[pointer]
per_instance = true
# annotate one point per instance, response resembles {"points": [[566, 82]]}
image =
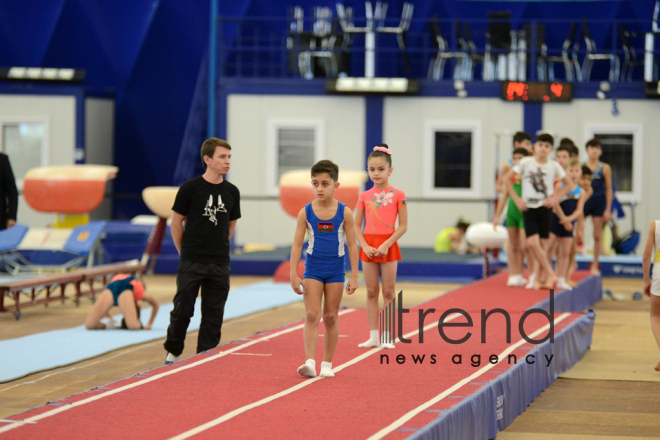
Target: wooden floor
{"points": [[612, 393]]}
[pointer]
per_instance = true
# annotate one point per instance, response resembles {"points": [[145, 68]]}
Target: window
{"points": [[295, 150], [452, 160], [622, 150], [618, 152], [25, 144], [293, 145]]}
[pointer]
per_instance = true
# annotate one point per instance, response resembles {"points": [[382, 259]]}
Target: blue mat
{"points": [[45, 351], [620, 266], [495, 405]]}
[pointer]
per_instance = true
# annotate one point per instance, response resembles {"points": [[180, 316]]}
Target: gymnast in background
{"points": [[452, 239], [123, 291]]}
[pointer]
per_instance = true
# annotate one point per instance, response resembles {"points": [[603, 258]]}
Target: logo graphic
{"points": [[383, 198], [388, 322], [211, 212], [326, 226], [392, 323], [627, 269], [83, 236], [536, 179]]}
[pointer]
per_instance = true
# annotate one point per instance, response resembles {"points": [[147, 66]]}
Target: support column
{"points": [[373, 127]]}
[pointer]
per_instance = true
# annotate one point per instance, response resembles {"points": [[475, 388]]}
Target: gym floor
{"points": [[611, 392]]}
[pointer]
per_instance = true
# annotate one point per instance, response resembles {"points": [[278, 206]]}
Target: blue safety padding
{"points": [[124, 241], [497, 403], [48, 258], [472, 269], [123, 231], [588, 292], [82, 238], [12, 237], [622, 266], [468, 271], [264, 267]]}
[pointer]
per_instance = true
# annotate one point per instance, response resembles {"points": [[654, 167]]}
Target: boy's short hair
{"points": [[545, 137], [209, 146], [595, 143], [566, 141], [520, 150], [575, 151], [565, 148], [575, 163], [521, 136], [326, 166], [586, 171]]}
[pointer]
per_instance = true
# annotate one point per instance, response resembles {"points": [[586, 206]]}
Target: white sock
{"points": [[530, 283], [516, 281], [326, 370], [386, 341], [171, 358], [561, 284], [373, 340], [308, 369]]}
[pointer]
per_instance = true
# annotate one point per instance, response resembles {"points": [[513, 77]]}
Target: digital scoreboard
{"points": [[528, 91]]}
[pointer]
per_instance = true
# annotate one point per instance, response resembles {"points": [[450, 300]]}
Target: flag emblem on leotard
{"points": [[404, 203], [326, 226]]}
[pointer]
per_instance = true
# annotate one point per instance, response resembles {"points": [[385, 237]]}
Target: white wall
{"points": [[404, 131], [99, 143], [570, 120], [59, 114], [247, 132], [405, 119], [344, 120]]}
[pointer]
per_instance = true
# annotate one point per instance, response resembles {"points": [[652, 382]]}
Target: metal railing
{"points": [[272, 47]]}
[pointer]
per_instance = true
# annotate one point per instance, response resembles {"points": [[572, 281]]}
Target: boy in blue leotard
{"points": [[329, 225]]}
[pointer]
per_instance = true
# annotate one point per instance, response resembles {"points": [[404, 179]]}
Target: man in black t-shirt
{"points": [[209, 206]]}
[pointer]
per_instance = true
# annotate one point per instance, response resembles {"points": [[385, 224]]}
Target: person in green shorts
{"points": [[514, 225]]}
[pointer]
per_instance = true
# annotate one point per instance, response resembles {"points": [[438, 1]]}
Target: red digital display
{"points": [[536, 91]]}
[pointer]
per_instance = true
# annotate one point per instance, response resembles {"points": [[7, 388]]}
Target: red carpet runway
{"points": [[250, 388]]}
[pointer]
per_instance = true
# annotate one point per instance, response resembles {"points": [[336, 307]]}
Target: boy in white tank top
{"points": [[652, 284]]}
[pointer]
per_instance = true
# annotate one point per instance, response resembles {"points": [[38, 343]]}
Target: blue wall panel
{"points": [[148, 51]]}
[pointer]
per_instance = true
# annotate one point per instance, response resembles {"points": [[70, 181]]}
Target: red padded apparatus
{"points": [[296, 190], [74, 189]]}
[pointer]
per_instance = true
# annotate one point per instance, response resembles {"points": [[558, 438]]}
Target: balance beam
{"points": [[14, 288]]}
